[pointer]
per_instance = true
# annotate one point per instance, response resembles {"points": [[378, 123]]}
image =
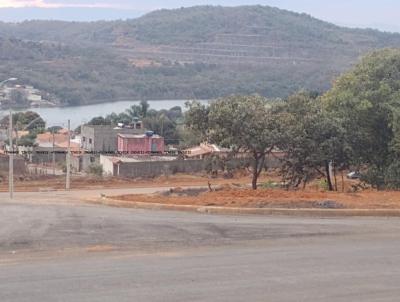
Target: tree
{"points": [[28, 120], [99, 120], [135, 111], [161, 124], [144, 107], [311, 139], [196, 119], [367, 101], [242, 123], [55, 129]]}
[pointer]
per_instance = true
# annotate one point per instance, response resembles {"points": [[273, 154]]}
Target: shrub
{"points": [[95, 169], [392, 176]]}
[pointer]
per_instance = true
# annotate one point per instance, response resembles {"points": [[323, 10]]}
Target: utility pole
{"points": [[68, 180], [11, 155], [54, 157], [11, 160]]}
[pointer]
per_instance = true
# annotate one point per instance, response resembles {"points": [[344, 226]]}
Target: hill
{"points": [[198, 52]]}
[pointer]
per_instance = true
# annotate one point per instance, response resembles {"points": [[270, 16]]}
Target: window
{"points": [[90, 140], [83, 139]]}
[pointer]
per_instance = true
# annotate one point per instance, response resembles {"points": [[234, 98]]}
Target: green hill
{"points": [[198, 52]]}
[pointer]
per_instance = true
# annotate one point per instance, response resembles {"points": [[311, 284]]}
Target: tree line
{"points": [[355, 125]]}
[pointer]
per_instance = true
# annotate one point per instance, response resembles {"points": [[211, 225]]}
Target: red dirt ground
{"points": [[233, 193], [277, 198]]}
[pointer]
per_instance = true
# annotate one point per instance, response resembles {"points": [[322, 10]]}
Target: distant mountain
{"points": [[66, 14], [198, 52]]}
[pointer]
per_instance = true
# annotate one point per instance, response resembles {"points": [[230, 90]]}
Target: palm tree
{"points": [[144, 108]]}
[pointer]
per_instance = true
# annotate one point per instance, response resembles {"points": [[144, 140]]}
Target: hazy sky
{"points": [[383, 14]]}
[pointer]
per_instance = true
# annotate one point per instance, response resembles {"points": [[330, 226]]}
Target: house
{"points": [[204, 150], [148, 143], [50, 146], [104, 138], [46, 139]]}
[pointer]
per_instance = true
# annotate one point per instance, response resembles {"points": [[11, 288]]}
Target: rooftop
{"points": [[138, 135]]}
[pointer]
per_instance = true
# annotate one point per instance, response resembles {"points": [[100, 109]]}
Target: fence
{"points": [[19, 165], [156, 168]]}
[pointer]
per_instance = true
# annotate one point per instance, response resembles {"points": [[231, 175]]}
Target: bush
{"points": [[95, 169], [323, 185], [392, 176], [270, 185], [375, 177]]}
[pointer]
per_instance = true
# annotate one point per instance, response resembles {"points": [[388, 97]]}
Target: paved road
{"points": [[73, 252]]}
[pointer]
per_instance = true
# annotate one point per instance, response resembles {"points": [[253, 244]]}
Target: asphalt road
{"points": [[74, 252]]}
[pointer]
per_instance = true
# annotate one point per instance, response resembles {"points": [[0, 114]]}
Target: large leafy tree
{"points": [[196, 120], [367, 101], [242, 123], [28, 120], [312, 140]]}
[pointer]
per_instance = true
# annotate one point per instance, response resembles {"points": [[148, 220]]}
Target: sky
{"points": [[383, 14]]}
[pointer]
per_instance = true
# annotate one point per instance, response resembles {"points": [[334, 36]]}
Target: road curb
{"points": [[249, 211]]}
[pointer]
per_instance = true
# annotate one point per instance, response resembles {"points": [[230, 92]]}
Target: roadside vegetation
{"points": [[355, 125]]}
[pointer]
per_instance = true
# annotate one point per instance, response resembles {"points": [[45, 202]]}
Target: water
{"points": [[82, 114]]}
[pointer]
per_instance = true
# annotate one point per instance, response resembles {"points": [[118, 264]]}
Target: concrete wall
{"points": [[108, 166], [41, 155], [19, 165], [157, 168], [80, 163], [147, 169], [141, 145], [87, 137]]}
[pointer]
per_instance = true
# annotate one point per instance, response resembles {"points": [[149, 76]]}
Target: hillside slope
{"points": [[198, 52]]}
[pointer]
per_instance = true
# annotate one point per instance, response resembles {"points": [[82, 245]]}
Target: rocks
{"points": [[328, 204]]}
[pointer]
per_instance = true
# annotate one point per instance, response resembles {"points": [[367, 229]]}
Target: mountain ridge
{"points": [[197, 52]]}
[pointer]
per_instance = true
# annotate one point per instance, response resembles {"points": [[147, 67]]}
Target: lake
{"points": [[81, 114]]}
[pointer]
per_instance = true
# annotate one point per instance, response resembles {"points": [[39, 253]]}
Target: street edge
{"points": [[248, 211]]}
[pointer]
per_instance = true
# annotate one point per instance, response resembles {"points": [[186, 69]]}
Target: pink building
{"points": [[140, 144]]}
